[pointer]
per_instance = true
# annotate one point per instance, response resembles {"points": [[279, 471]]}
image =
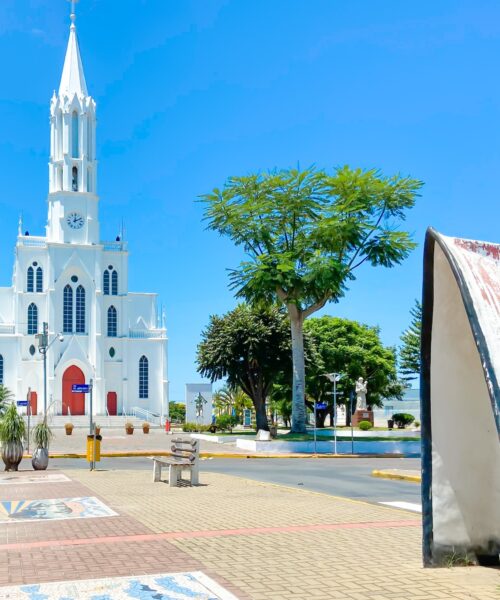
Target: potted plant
{"points": [[41, 436], [145, 427], [12, 435], [129, 428], [69, 428]]}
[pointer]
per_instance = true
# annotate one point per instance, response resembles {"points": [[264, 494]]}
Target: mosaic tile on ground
{"points": [[53, 509], [165, 586], [23, 479]]}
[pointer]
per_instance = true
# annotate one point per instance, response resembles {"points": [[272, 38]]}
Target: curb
{"points": [[397, 475], [145, 454]]}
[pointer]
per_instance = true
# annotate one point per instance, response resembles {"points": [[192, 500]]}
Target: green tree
{"points": [[177, 412], [354, 350], [305, 234], [250, 347], [409, 352]]}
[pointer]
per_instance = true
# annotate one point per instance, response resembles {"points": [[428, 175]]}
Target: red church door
{"points": [[33, 400], [112, 403], [75, 402]]}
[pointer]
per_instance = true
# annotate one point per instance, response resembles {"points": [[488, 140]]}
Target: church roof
{"points": [[73, 78]]}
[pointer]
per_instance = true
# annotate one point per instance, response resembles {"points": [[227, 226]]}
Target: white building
{"points": [[78, 284]]}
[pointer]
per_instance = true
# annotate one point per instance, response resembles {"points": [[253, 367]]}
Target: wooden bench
{"points": [[185, 456]]}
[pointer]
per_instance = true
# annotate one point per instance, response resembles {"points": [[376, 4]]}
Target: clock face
{"points": [[74, 220]]}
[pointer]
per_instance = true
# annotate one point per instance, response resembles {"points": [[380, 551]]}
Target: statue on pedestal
{"points": [[361, 389]]}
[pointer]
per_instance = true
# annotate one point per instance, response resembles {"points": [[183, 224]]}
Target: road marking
{"points": [[404, 505]]}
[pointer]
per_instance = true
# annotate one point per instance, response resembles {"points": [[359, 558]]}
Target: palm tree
{"points": [[5, 398], [227, 399]]}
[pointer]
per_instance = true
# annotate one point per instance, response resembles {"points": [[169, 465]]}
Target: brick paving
{"points": [[260, 541]]}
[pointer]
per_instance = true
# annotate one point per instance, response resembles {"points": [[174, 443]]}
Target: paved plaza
{"points": [[244, 538]]}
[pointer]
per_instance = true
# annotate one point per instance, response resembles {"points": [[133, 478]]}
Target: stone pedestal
{"points": [[362, 415]]}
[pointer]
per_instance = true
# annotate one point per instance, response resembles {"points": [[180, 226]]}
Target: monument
{"points": [[362, 412], [460, 401]]}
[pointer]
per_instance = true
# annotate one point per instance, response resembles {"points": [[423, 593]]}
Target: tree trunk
{"points": [[260, 413], [298, 379], [321, 418]]}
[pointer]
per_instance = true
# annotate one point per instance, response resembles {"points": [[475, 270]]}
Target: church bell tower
{"points": [[73, 200]]}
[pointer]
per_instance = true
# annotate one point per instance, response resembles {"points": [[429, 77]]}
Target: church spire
{"points": [[73, 78], [73, 163]]}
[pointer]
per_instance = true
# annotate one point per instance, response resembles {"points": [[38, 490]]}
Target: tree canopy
{"points": [[305, 234], [249, 347], [409, 352], [354, 350]]}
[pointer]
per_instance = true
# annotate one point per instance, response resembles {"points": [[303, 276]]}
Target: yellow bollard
{"points": [[91, 457]]}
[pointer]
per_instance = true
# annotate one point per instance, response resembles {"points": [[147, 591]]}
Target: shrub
{"points": [[195, 428], [365, 425], [417, 424], [12, 426], [403, 419], [42, 435], [226, 422]]}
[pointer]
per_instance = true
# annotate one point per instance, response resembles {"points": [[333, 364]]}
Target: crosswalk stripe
{"points": [[404, 505]]}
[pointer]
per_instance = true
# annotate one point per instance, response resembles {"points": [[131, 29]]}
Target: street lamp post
{"points": [[43, 347], [334, 378]]}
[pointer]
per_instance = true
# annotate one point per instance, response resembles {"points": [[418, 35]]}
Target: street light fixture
{"points": [[334, 378], [43, 347]]}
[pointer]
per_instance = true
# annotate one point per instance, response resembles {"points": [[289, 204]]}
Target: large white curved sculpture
{"points": [[460, 400]]}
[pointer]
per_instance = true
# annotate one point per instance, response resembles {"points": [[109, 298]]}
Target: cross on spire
{"points": [[72, 16]]}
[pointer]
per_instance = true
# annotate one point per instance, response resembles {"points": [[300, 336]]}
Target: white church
{"points": [[78, 284]]}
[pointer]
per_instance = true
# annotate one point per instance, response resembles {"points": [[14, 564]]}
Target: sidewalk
{"points": [[258, 541]]}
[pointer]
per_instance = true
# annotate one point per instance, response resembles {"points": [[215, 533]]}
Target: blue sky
{"points": [[192, 91]]}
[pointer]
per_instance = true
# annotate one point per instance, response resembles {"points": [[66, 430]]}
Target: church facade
{"points": [[77, 285]]}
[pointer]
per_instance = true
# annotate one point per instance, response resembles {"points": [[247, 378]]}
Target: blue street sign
{"points": [[22, 403], [321, 405], [80, 388]]}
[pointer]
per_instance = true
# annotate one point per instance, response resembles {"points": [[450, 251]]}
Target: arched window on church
{"points": [[30, 280], [114, 283], [89, 179], [74, 179], [60, 178], [112, 322], [68, 309], [74, 135], [39, 279], [1, 369], [32, 319], [80, 309], [105, 283], [143, 377]]}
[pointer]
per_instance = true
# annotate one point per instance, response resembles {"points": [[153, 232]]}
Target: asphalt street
{"points": [[349, 477]]}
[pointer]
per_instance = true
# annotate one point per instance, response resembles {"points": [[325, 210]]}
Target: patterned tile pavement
{"points": [[258, 541]]}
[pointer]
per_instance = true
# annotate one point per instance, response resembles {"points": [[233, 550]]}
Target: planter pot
{"points": [[145, 429], [98, 431], [129, 430], [69, 431], [12, 454], [40, 459]]}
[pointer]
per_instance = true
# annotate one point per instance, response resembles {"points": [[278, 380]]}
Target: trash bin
{"points": [[91, 457]]}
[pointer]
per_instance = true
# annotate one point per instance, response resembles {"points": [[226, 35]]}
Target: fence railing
{"points": [[145, 415], [146, 333]]}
